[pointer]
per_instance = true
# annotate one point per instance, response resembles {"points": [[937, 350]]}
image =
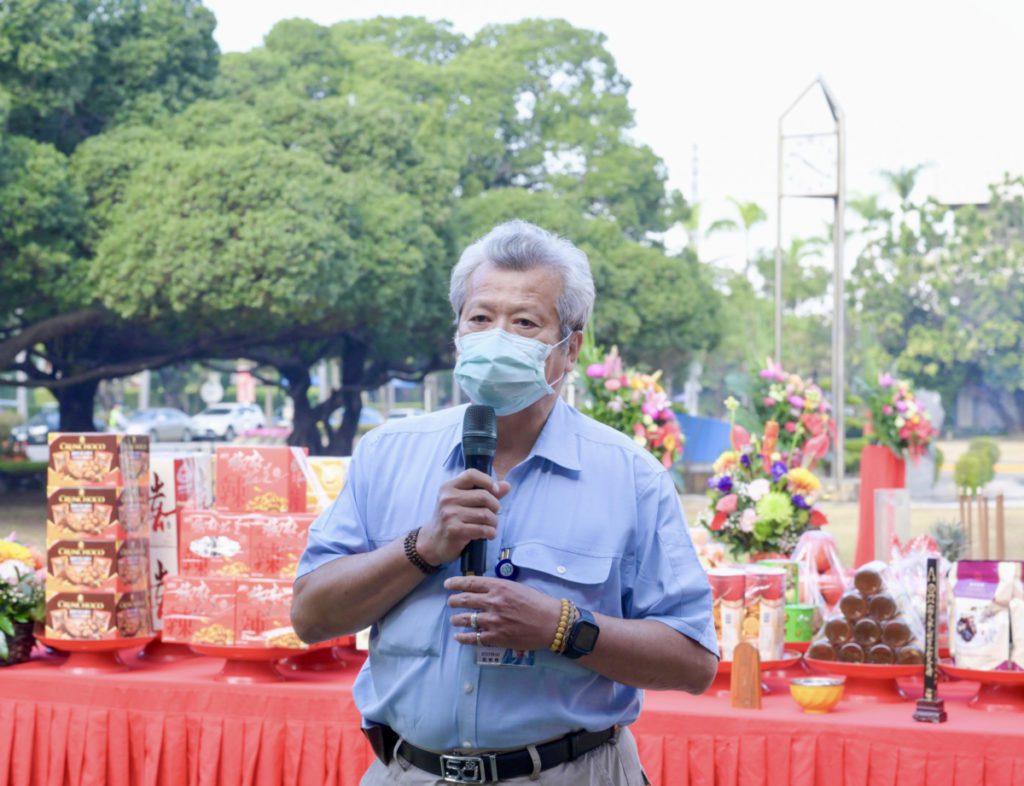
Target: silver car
{"points": [[161, 424], [228, 420]]}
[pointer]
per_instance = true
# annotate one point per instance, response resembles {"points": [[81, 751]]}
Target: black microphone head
{"points": [[479, 431]]}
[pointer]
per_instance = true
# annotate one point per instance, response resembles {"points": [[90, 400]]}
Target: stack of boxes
{"points": [[97, 537], [237, 561]]}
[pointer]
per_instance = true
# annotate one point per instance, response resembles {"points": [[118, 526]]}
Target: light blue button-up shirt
{"points": [[591, 517]]}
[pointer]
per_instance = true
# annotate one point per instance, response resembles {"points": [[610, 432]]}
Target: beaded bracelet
{"points": [[559, 642], [414, 556]]}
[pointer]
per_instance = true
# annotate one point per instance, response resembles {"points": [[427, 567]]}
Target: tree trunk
{"points": [[76, 406], [305, 433], [353, 366]]}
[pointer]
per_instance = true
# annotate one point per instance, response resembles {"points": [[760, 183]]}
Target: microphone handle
{"points": [[474, 554]]}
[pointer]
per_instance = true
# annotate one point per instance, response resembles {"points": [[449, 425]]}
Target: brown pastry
{"points": [[867, 632], [853, 606], [910, 655], [882, 606], [896, 633], [851, 652], [838, 630], [880, 653], [868, 581], [821, 650]]}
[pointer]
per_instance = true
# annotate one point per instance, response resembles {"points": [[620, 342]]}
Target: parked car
{"points": [[161, 424], [405, 412], [226, 421], [34, 430]]}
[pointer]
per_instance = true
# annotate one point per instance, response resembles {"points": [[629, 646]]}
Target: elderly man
{"points": [[593, 593]]}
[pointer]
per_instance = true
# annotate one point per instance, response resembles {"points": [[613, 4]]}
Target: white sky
{"points": [[921, 81]]}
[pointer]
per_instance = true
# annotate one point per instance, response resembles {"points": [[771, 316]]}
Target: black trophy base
{"points": [[930, 711]]}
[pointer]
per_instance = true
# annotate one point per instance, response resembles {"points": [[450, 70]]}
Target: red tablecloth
{"points": [[175, 725]]}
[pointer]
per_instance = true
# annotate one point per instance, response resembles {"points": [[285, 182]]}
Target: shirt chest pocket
{"points": [[415, 625], [588, 580]]}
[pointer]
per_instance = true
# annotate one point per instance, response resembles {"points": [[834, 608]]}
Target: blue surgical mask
{"points": [[502, 370]]}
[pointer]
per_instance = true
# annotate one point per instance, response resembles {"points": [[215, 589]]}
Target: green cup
{"points": [[800, 621]]}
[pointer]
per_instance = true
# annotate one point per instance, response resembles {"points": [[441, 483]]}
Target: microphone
{"points": [[479, 443]]}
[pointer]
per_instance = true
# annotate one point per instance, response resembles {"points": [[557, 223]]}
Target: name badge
{"points": [[504, 656]]}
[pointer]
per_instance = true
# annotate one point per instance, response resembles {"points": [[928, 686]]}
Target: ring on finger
{"points": [[478, 642], [473, 620]]}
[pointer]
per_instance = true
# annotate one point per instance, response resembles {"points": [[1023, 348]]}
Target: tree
{"points": [[750, 214]]}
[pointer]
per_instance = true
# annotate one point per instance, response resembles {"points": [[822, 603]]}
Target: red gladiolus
{"points": [[718, 521], [818, 519]]}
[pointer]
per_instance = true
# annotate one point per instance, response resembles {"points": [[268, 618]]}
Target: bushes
{"points": [[975, 468]]}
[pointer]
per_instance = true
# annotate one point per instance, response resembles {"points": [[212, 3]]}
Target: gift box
{"points": [[97, 566], [176, 483], [328, 474], [260, 478], [199, 610], [112, 513], [98, 615], [214, 543], [263, 614], [277, 540], [97, 460], [163, 564]]}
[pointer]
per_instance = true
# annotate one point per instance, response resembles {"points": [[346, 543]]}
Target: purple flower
{"points": [[745, 460], [885, 380], [712, 483], [725, 484], [901, 406], [797, 402], [596, 370], [800, 502], [779, 470]]}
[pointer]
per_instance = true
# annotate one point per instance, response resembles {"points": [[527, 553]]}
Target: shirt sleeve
{"points": [[341, 529], [670, 584]]}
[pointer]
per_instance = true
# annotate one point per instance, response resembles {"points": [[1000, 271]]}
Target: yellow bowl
{"points": [[817, 695]]}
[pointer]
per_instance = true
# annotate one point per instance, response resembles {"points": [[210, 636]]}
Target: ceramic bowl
{"points": [[817, 695]]}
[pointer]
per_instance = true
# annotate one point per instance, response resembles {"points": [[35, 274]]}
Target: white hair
{"points": [[519, 245]]}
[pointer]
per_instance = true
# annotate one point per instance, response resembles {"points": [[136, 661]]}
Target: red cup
{"points": [[765, 582]]}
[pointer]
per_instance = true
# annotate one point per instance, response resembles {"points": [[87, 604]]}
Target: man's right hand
{"points": [[467, 509]]}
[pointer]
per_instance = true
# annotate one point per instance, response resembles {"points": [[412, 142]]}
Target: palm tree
{"points": [[750, 214], [903, 181]]}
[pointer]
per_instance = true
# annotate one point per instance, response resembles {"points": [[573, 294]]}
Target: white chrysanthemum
{"points": [[758, 488]]}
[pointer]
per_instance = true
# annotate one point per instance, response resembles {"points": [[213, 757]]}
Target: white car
{"points": [[226, 421]]}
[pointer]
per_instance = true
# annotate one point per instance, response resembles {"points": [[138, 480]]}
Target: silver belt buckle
{"points": [[467, 769]]}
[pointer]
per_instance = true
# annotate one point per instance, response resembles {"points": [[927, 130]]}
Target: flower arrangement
{"points": [[762, 501], [22, 590], [897, 419], [796, 404], [635, 404]]}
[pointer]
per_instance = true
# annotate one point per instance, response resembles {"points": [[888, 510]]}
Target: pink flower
{"points": [[769, 402], [612, 385], [747, 519], [887, 409], [885, 380], [796, 401], [596, 370], [790, 427], [727, 504], [616, 404]]}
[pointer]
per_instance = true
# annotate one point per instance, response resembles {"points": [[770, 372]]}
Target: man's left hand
{"points": [[509, 614]]}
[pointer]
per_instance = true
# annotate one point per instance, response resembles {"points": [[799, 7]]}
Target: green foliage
{"points": [[939, 458], [987, 446], [951, 539], [971, 472]]}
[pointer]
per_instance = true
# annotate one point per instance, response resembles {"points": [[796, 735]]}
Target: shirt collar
{"points": [[557, 441]]}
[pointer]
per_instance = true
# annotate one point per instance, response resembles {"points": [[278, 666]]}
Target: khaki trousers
{"points": [[616, 763]]}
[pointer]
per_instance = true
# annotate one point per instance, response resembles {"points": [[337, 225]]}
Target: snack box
{"points": [[327, 481], [277, 540], [260, 478], [98, 615], [111, 513], [177, 482], [163, 564], [97, 566], [98, 460], [214, 543], [199, 610], [263, 614]]}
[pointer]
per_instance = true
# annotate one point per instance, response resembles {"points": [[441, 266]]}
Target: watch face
{"points": [[586, 637]]}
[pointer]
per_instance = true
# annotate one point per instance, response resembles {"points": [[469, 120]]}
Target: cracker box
{"points": [[98, 460], [328, 474], [97, 566], [97, 615], [111, 513], [176, 483], [214, 543], [163, 564], [764, 614], [199, 610], [277, 541], [260, 478], [263, 614]]}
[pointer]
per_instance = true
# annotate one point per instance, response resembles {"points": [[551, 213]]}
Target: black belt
{"points": [[491, 767]]}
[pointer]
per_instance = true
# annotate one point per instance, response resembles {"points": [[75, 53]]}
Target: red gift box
{"points": [[277, 541], [199, 610], [259, 478], [213, 543]]}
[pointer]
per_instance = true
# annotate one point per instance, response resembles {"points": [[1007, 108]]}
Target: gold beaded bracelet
{"points": [[559, 642]]}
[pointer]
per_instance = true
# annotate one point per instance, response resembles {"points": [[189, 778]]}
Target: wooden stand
{"points": [[745, 687]]}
